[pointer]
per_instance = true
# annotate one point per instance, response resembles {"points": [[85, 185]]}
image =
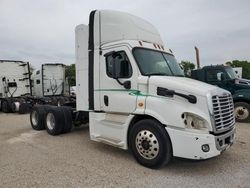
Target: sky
{"points": [[43, 31]]}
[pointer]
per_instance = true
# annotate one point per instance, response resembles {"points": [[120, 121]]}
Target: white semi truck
{"points": [[132, 92]]}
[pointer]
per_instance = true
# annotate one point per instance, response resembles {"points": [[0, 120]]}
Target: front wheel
{"points": [[242, 111], [150, 143]]}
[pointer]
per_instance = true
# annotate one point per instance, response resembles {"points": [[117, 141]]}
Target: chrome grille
{"points": [[223, 108]]}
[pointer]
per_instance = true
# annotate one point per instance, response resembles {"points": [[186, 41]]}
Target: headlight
{"points": [[195, 122]]}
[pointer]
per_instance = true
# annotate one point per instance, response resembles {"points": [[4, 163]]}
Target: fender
{"points": [[242, 95]]}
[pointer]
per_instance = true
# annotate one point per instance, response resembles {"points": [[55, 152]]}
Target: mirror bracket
{"points": [[126, 84]]}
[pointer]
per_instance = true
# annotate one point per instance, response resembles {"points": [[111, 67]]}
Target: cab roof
{"points": [[111, 26]]}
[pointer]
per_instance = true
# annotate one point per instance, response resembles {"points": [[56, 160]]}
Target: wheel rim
{"points": [[50, 121], [34, 118], [17, 105], [241, 112], [147, 144]]}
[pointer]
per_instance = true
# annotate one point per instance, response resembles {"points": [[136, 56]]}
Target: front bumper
{"points": [[189, 145]]}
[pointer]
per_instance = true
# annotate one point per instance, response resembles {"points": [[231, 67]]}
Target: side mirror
{"points": [[221, 76], [120, 69], [115, 68]]}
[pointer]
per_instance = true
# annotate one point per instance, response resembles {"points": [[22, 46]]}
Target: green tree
{"points": [[245, 67], [187, 67], [70, 74]]}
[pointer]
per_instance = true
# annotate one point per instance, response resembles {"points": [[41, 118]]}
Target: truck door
{"points": [[114, 97]]}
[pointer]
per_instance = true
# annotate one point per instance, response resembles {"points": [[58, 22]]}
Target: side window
{"points": [[126, 69], [214, 75], [37, 81]]}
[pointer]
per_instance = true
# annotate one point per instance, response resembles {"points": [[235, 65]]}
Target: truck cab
{"points": [[136, 97], [225, 77], [49, 80]]}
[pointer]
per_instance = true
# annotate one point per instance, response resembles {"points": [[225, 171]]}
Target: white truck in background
{"points": [[19, 90], [15, 83], [50, 81], [132, 92]]}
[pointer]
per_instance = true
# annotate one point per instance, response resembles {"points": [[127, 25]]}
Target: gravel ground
{"points": [[31, 158]]}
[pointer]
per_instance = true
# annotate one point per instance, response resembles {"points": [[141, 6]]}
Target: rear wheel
{"points": [[37, 117], [150, 143], [54, 122], [15, 106], [24, 108], [6, 106], [242, 111]]}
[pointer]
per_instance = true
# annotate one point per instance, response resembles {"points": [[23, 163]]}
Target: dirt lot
{"points": [[30, 158]]}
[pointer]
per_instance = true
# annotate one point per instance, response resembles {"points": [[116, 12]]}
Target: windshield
{"points": [[153, 62], [230, 73]]}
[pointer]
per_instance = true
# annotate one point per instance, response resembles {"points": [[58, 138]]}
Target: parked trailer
{"points": [[132, 91]]}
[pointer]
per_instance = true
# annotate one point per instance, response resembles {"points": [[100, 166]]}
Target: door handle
{"points": [[106, 100]]}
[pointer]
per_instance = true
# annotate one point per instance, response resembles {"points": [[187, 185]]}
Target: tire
{"points": [[6, 106], [54, 122], [25, 108], [67, 119], [15, 106], [37, 117], [1, 105], [150, 144], [242, 112]]}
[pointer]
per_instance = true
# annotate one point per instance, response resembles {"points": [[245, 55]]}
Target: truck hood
{"points": [[182, 84], [242, 81]]}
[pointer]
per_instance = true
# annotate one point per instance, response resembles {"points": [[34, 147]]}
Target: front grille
{"points": [[223, 108]]}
